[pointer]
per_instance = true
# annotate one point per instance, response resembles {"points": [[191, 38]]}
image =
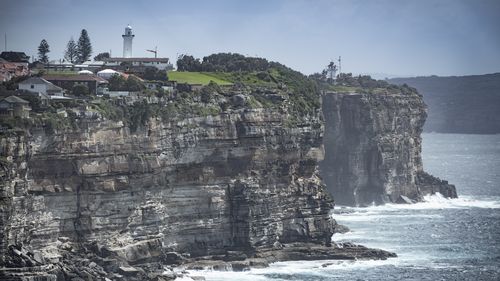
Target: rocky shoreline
{"points": [[231, 191], [94, 262]]}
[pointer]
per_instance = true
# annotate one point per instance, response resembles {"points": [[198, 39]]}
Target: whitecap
{"points": [[435, 201]]}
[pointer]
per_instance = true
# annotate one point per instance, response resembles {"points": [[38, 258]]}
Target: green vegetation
{"points": [[195, 78], [43, 50], [84, 47], [346, 82], [71, 53], [80, 90], [119, 83], [229, 82], [154, 74], [101, 56], [254, 74]]}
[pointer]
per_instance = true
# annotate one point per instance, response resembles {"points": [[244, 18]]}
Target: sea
{"points": [[438, 239]]}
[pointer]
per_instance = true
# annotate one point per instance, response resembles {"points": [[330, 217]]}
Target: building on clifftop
{"points": [[40, 85], [13, 106], [131, 64]]}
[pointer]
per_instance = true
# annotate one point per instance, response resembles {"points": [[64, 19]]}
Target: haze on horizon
{"points": [[383, 37]]}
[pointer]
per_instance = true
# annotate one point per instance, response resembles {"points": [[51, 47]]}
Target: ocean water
{"points": [[438, 239]]}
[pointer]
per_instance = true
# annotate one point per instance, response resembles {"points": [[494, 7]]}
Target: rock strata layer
{"points": [[373, 149], [105, 202]]}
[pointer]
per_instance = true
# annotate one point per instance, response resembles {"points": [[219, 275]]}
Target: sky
{"points": [[379, 37]]}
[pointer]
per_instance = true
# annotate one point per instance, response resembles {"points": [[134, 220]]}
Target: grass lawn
{"points": [[195, 78]]}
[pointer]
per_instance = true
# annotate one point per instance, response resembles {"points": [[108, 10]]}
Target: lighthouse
{"points": [[127, 42]]}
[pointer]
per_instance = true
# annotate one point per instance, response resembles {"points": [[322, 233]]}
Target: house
{"points": [[20, 57], [13, 106], [137, 64], [40, 85], [42, 99], [93, 66], [9, 70], [62, 65], [93, 82]]}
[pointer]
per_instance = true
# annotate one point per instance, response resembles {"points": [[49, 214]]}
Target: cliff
{"points": [[373, 148], [460, 104], [103, 201]]}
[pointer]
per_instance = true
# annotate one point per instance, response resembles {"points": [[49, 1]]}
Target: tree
{"points": [[43, 49], [102, 56], [153, 74], [134, 85], [188, 63], [84, 47], [71, 53], [80, 90], [209, 91], [117, 83]]}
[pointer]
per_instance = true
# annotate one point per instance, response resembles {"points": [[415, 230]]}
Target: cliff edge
{"points": [[373, 147], [224, 179]]}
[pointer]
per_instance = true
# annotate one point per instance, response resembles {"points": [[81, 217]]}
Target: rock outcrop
{"points": [[105, 202], [373, 149]]}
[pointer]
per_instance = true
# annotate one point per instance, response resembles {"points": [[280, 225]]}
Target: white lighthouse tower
{"points": [[127, 42]]}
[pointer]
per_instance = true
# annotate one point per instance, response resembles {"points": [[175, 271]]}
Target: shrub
{"points": [[80, 90]]}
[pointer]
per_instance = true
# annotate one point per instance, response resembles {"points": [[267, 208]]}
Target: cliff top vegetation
{"points": [[256, 73], [229, 82], [346, 82]]}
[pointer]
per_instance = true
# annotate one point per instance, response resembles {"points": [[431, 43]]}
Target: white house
{"points": [[40, 85]]}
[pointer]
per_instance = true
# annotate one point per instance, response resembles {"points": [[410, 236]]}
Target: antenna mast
{"points": [[340, 64]]}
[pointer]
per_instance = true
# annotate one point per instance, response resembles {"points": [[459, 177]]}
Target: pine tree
{"points": [[43, 49], [84, 47], [71, 53]]}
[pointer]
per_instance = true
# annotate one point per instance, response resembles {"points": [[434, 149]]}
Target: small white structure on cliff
{"points": [[127, 42]]}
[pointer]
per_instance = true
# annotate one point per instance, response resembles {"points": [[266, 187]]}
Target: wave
{"points": [[322, 268], [435, 201]]}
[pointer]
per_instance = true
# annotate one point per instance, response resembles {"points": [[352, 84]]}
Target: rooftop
{"points": [[79, 77], [35, 80], [38, 80], [163, 60], [14, 99], [15, 56]]}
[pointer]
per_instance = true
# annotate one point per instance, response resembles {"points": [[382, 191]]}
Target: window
{"points": [[32, 86]]}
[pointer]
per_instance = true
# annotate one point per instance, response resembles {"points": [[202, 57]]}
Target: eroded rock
{"points": [[373, 149]]}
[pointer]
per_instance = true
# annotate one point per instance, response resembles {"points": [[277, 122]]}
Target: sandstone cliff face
{"points": [[239, 181], [372, 149]]}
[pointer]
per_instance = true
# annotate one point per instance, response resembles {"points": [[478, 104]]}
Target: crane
{"points": [[154, 51]]}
